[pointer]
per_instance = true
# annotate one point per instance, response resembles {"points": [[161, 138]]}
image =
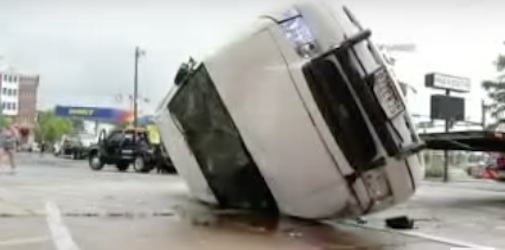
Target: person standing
{"points": [[8, 139], [43, 146]]}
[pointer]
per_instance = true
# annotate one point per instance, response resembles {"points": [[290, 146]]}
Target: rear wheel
{"points": [[122, 166], [95, 161], [140, 165]]}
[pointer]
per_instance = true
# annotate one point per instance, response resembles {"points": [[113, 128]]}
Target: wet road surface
{"points": [[61, 204]]}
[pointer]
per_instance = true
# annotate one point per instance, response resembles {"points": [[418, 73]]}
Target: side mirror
{"points": [[182, 74]]}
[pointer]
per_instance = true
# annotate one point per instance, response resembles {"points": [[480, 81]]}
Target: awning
{"points": [[486, 141]]}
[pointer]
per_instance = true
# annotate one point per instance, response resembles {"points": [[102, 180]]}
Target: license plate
{"points": [[387, 94]]}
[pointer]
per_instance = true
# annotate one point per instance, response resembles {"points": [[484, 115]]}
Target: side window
{"points": [[115, 137], [143, 138], [128, 139]]}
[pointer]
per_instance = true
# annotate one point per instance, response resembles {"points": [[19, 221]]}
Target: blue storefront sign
{"points": [[92, 113]]}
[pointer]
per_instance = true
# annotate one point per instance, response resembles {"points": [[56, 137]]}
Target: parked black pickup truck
{"points": [[121, 149]]}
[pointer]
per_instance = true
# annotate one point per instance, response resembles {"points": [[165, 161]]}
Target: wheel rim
{"points": [[139, 163], [95, 161]]}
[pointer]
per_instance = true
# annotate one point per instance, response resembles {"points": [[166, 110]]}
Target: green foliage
{"points": [[50, 128], [496, 89]]}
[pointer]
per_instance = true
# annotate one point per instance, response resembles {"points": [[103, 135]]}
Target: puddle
{"points": [[310, 234]]}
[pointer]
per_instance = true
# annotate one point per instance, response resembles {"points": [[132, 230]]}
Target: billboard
{"points": [[93, 113], [447, 107], [443, 81]]}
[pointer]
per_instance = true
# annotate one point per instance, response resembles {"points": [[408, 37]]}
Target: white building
{"points": [[9, 92]]}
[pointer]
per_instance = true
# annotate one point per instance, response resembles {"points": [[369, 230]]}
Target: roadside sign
{"points": [[447, 82], [93, 113]]}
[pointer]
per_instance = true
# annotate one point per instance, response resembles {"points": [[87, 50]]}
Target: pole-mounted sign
{"points": [[447, 82], [447, 107]]}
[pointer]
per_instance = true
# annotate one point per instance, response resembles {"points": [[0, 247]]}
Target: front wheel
{"points": [[95, 161], [122, 166]]}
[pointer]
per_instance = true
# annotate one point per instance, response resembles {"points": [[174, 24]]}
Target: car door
{"points": [[112, 145]]}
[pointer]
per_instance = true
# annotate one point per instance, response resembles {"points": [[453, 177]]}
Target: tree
{"points": [[496, 89], [50, 128]]}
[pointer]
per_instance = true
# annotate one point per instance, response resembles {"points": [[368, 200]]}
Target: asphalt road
{"points": [[53, 203]]}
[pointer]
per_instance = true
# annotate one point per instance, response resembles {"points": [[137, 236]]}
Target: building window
{"points": [[10, 78], [5, 77], [15, 92], [4, 91], [14, 106]]}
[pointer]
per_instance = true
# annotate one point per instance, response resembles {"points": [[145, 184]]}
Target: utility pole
{"points": [[448, 124], [138, 53], [484, 110]]}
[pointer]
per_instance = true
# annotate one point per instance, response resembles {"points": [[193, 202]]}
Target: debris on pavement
{"points": [[400, 222]]}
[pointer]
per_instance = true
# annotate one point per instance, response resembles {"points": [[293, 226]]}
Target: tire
{"points": [[122, 166], [95, 162], [141, 166]]}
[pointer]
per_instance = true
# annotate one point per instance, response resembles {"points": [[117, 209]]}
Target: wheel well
{"points": [[93, 152]]}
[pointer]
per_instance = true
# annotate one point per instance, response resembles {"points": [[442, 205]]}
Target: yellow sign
{"points": [[85, 112]]}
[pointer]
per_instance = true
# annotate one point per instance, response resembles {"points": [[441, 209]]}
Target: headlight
{"points": [[299, 34], [377, 184]]}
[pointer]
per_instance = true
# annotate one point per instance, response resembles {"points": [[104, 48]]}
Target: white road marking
{"points": [[455, 243], [23, 241], [446, 240], [59, 232]]}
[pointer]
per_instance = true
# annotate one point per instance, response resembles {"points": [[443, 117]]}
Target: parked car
{"points": [[479, 169], [70, 146], [86, 141]]}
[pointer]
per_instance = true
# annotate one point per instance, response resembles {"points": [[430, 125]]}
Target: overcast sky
{"points": [[83, 50]]}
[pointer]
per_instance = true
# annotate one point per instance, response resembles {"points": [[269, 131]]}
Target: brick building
{"points": [[27, 100], [18, 96]]}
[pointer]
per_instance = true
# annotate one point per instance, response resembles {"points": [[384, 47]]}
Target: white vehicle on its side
{"points": [[299, 116]]}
